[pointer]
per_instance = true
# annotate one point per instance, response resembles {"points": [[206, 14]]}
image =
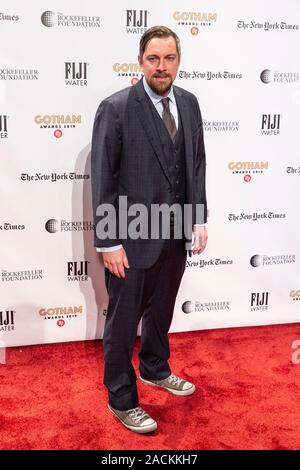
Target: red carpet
{"points": [[247, 395]]}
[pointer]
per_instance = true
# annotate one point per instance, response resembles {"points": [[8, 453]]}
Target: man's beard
{"points": [[160, 87]]}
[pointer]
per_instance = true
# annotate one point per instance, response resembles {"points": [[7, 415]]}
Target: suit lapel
{"points": [[144, 113]]}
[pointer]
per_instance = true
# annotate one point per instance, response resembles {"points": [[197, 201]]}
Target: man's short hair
{"points": [[157, 32]]}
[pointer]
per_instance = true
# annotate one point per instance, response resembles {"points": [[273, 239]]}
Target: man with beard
{"points": [[148, 147]]}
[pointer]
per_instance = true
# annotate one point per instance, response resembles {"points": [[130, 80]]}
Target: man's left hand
{"points": [[200, 240]]}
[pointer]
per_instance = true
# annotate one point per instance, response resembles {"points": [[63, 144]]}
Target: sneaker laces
{"points": [[174, 380], [137, 414]]}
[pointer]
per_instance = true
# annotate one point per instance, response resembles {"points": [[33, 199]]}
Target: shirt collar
{"points": [[157, 98]]}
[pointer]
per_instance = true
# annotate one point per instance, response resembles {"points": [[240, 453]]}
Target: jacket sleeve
{"points": [[105, 164], [200, 171]]}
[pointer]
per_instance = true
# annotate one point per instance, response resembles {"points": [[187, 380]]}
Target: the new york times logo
{"points": [[3, 126], [76, 73], [136, 21], [267, 26], [256, 216], [209, 75], [292, 170], [5, 17], [77, 270], [208, 263], [54, 177], [8, 226]]}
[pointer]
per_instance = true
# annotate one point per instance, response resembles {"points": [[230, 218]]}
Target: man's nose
{"points": [[161, 65]]}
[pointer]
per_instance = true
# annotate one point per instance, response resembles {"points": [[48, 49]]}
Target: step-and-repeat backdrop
{"points": [[59, 59]]}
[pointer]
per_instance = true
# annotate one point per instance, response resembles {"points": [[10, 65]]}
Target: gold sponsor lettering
{"points": [[60, 310], [126, 67], [295, 293], [57, 119], [248, 165], [194, 16]]}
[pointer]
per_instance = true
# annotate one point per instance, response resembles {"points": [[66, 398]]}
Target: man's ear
{"points": [[140, 59]]}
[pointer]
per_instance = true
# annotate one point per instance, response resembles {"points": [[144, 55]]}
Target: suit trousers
{"points": [[149, 294]]}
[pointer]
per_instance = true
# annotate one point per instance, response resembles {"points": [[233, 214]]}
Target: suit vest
{"points": [[174, 155]]}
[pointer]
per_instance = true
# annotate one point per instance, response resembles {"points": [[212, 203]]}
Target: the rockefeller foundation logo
{"points": [[265, 260], [26, 275], [197, 306], [53, 226], [220, 126], [51, 19], [268, 76], [16, 74]]}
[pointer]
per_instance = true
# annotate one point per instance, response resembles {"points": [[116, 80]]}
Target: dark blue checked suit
{"points": [[134, 156]]}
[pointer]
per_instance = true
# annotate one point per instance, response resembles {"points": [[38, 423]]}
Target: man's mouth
{"points": [[161, 76]]}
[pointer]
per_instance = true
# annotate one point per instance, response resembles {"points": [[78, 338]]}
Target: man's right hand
{"points": [[116, 261]]}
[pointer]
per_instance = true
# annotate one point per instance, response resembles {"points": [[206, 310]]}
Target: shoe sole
{"points": [[146, 429], [182, 393]]}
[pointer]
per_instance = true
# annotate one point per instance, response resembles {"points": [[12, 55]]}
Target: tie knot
{"points": [[165, 103]]}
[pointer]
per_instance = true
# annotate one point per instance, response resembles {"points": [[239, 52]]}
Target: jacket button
{"points": [[177, 181], [176, 166]]}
